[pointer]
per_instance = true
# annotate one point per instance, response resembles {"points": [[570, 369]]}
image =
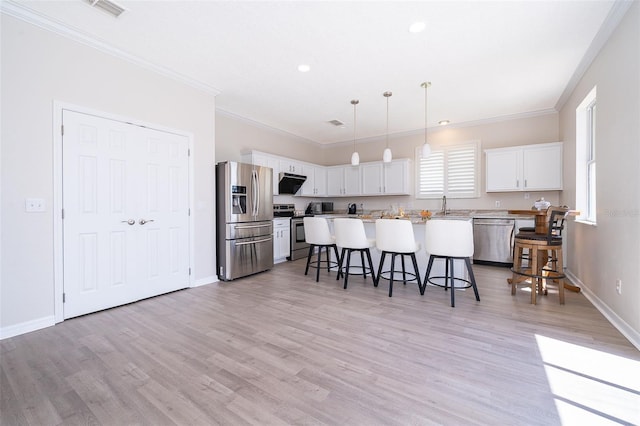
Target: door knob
{"points": [[143, 221], [130, 221]]}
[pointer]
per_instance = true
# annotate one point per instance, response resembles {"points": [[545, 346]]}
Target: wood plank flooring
{"points": [[279, 348]]}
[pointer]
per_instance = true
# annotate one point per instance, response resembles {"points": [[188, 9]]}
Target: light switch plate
{"points": [[34, 205]]}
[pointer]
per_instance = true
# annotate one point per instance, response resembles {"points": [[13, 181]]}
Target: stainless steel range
{"points": [[299, 248]]}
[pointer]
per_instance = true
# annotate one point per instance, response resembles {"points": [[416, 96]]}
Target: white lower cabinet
{"points": [[281, 239]]}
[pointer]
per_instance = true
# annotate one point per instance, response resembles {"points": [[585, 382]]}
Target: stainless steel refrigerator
{"points": [[244, 221]]}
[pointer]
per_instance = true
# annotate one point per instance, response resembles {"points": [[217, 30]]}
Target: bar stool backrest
{"points": [[449, 237], [316, 231], [350, 233], [557, 216], [395, 235]]}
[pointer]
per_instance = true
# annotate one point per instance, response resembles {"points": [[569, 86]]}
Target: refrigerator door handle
{"points": [[255, 192], [251, 226], [253, 242]]}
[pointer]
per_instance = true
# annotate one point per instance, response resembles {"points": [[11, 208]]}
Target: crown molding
{"points": [[20, 11], [611, 22]]}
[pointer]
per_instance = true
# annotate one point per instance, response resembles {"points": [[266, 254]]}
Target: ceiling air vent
{"points": [[108, 6], [336, 123]]}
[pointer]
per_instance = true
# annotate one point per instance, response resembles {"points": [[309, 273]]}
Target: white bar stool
{"points": [[395, 237], [350, 236], [449, 239], [317, 234]]}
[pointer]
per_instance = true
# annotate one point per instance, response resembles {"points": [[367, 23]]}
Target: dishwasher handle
{"points": [[494, 222]]}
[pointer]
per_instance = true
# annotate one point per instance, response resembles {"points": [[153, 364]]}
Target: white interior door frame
{"points": [[58, 237]]}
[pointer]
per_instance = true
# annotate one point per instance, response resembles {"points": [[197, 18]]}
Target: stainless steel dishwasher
{"points": [[493, 241]]}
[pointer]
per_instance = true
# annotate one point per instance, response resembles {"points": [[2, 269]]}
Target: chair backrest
{"points": [[395, 235], [449, 237], [350, 233], [556, 216], [316, 231]]}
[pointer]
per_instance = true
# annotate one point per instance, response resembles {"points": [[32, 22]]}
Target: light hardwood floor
{"points": [[279, 348]]}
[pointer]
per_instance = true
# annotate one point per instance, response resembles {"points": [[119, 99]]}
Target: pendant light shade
{"points": [[386, 155], [426, 148], [355, 157]]}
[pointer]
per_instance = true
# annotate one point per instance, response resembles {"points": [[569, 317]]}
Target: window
{"points": [[586, 158], [449, 170]]}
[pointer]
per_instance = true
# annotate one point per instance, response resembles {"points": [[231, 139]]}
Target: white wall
{"points": [[235, 136], [611, 250], [37, 68]]}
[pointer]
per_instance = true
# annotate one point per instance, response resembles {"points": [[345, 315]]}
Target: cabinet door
{"points": [[320, 180], [335, 180], [285, 241], [504, 170], [281, 243], [396, 179], [309, 185], [542, 167], [371, 175], [289, 166], [351, 176]]}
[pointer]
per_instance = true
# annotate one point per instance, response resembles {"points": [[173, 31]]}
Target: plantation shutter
{"points": [[450, 171]]}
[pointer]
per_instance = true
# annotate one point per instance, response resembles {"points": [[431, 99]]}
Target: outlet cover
{"points": [[498, 203], [34, 205]]}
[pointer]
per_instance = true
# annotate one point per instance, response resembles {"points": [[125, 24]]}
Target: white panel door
{"points": [[125, 200]]}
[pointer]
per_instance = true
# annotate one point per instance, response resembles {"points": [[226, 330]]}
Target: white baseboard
{"points": [[204, 281], [26, 327], [627, 331]]}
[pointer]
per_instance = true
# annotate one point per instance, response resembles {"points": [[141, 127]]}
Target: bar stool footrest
{"points": [[445, 286], [409, 275]]}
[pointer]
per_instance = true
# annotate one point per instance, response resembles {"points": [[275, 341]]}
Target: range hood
{"points": [[290, 183]]}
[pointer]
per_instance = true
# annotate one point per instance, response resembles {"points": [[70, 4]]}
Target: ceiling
{"points": [[485, 59]]}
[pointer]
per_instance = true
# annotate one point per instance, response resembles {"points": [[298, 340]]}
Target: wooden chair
{"points": [[544, 256]]}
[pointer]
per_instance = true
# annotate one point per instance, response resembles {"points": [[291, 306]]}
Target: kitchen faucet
{"points": [[444, 205]]}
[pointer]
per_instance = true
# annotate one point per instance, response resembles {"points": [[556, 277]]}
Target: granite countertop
{"points": [[415, 218]]}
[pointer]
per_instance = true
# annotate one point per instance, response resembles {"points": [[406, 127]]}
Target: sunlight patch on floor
{"points": [[590, 386]]}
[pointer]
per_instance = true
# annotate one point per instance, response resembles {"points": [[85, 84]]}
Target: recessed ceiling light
{"points": [[443, 122], [304, 68], [417, 27]]}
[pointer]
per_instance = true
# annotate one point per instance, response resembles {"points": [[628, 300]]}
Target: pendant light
{"points": [[355, 157], [386, 155], [426, 148]]}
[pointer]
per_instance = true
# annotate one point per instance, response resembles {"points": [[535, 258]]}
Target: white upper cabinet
{"points": [[373, 178], [291, 166], [343, 181], [524, 168], [316, 183], [385, 178]]}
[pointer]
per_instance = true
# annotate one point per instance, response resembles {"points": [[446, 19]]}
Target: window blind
{"points": [[450, 170]]}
